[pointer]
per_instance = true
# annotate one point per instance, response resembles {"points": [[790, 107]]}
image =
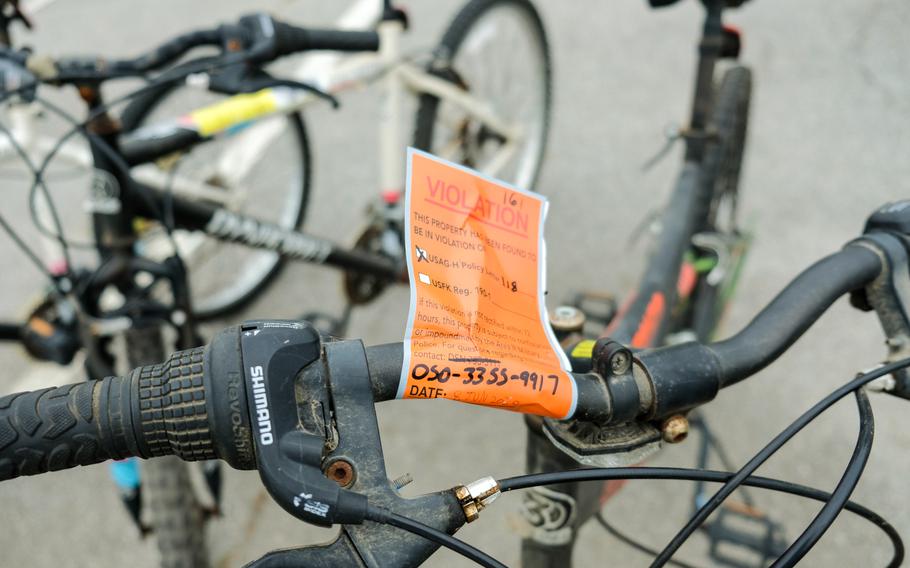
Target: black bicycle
{"points": [[273, 396], [321, 425], [681, 296]]}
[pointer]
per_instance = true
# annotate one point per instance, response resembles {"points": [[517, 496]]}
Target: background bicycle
{"points": [[172, 513], [824, 144]]}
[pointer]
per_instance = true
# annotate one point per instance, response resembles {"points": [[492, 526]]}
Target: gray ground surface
{"points": [[829, 141]]}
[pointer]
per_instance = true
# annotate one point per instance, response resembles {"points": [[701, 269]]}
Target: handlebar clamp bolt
{"points": [[619, 362], [675, 429], [611, 358]]}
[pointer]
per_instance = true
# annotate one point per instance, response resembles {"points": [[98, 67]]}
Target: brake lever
{"points": [[301, 389], [235, 81]]}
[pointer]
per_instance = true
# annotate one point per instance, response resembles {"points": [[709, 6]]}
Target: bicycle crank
{"points": [[363, 287]]}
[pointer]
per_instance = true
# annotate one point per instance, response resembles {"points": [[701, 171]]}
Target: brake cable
{"points": [[39, 181], [775, 445], [834, 502], [711, 476], [387, 517], [78, 127], [633, 543]]}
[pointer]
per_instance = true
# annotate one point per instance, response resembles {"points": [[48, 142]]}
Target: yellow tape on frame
{"points": [[235, 110]]}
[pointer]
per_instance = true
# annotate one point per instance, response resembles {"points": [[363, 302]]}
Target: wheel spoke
{"points": [[245, 149], [498, 121]]}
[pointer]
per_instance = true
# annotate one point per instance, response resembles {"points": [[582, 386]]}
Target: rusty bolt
{"points": [[341, 472], [675, 429]]}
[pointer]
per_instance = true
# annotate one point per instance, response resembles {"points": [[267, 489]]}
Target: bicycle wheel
{"points": [[175, 515], [717, 226], [275, 188], [496, 50]]}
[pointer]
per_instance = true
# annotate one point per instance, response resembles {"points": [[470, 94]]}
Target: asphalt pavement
{"points": [[829, 141]]}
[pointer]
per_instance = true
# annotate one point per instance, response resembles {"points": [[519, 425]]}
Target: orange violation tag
{"points": [[477, 329]]}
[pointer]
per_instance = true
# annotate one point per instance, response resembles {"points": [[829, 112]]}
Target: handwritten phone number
{"points": [[495, 376]]}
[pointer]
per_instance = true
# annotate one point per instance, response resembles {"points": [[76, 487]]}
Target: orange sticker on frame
{"points": [[477, 330]]}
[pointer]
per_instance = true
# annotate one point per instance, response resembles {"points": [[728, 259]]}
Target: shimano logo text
{"points": [[233, 227], [263, 420]]}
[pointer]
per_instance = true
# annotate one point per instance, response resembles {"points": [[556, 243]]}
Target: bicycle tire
{"points": [[175, 515], [468, 20], [722, 167], [208, 305]]}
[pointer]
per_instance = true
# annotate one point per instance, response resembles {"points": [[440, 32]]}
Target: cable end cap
{"points": [[477, 495]]}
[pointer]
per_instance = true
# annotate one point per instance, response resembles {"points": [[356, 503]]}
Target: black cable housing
{"points": [[631, 542], [384, 516], [762, 456], [686, 474], [826, 517]]}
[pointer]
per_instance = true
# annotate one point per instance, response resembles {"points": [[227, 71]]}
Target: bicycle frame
{"points": [[332, 72], [642, 323], [336, 73]]}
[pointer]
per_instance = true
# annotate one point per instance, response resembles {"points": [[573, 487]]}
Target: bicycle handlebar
{"points": [[271, 395], [198, 406], [292, 39], [256, 38], [166, 53]]}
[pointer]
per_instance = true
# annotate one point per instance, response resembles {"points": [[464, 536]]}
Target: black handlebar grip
{"points": [[291, 39], [193, 406], [59, 428]]}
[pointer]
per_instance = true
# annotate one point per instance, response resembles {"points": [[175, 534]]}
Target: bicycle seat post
{"points": [[709, 50]]}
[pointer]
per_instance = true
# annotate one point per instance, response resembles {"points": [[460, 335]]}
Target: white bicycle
{"points": [[483, 101]]}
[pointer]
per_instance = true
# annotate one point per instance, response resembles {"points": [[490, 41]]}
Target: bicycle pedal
{"points": [[738, 528]]}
